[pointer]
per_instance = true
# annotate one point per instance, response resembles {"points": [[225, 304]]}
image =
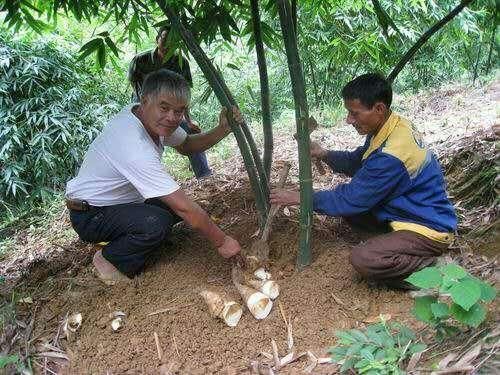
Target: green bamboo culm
{"points": [[263, 177], [264, 89], [301, 116], [425, 37], [215, 82]]}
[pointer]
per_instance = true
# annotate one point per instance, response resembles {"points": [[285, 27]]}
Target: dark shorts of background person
{"points": [[391, 257], [134, 231]]}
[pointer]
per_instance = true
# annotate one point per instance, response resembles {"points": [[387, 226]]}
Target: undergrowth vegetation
{"points": [[51, 108]]}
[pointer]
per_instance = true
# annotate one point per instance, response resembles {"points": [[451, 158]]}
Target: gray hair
{"points": [[164, 81]]}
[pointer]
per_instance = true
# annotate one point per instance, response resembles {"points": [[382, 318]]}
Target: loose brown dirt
{"points": [[322, 298]]}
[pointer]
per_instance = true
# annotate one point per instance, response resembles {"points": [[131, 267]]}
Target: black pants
{"points": [[134, 231]]}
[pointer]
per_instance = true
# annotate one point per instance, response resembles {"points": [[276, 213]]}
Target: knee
{"points": [[158, 227], [361, 261]]}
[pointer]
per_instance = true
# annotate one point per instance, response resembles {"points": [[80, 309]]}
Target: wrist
{"points": [[218, 239]]}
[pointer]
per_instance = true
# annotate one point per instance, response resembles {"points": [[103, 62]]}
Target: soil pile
{"points": [[325, 297]]}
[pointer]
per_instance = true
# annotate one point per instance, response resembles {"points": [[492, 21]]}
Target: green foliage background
{"points": [[51, 108]]}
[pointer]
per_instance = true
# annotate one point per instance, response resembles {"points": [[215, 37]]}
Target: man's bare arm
{"points": [[202, 142], [199, 220]]}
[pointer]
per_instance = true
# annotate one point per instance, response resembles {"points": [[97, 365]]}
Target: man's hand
{"points": [[223, 121], [229, 248], [194, 126], [317, 151], [284, 197]]}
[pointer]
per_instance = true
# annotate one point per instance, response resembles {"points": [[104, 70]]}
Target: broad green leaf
{"points": [[353, 349], [440, 310], [474, 317], [101, 55], [488, 293], [345, 338], [453, 271], [111, 45], [367, 354], [358, 335], [348, 364], [429, 277], [465, 293], [416, 348], [422, 308]]}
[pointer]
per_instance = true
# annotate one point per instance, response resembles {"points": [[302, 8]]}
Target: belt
{"points": [[78, 205]]}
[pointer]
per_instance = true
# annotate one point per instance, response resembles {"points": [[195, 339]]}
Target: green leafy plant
{"points": [[51, 108], [8, 360], [453, 294], [379, 349]]}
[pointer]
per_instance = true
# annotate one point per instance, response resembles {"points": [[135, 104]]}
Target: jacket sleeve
{"points": [[381, 176], [346, 162]]}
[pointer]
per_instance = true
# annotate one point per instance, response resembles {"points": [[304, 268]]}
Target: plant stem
{"points": [[264, 89], [424, 38], [301, 116]]}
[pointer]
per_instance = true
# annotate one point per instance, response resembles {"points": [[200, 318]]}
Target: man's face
{"points": [[162, 113], [365, 120], [161, 42]]}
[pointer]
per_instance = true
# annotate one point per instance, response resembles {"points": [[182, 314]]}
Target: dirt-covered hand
{"points": [[317, 151], [229, 248], [223, 120], [284, 197]]}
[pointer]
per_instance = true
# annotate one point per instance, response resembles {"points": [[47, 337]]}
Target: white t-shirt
{"points": [[123, 164]]}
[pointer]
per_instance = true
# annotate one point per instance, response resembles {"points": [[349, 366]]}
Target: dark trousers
{"points": [[198, 160], [391, 257], [134, 231]]}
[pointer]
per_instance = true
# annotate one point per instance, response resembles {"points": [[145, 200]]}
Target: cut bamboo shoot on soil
{"points": [[262, 274], [229, 311], [257, 302]]}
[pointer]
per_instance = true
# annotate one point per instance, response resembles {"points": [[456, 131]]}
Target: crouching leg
{"points": [[390, 258]]}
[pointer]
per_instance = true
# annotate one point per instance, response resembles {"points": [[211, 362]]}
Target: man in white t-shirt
{"points": [[124, 196]]}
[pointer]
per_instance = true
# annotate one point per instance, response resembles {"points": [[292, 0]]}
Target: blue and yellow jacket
{"points": [[396, 178]]}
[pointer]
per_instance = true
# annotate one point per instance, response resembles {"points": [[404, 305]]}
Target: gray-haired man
{"points": [[124, 196]]}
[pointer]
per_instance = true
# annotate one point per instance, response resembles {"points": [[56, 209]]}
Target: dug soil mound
{"points": [[324, 297]]}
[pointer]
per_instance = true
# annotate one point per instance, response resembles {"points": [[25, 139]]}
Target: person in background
{"points": [[153, 60]]}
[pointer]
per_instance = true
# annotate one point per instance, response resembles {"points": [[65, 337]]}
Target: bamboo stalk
{"points": [[425, 37], [221, 91], [264, 88], [275, 207], [301, 116]]}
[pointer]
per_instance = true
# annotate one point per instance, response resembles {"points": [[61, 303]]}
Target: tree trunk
{"points": [[424, 38], [301, 116], [264, 89], [226, 99]]}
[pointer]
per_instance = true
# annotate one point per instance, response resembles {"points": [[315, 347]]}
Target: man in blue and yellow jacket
{"points": [[396, 183]]}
